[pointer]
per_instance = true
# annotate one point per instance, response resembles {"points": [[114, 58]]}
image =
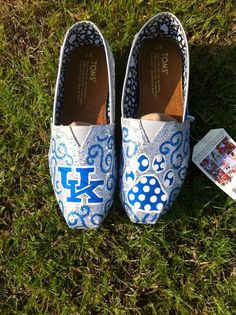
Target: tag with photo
{"points": [[215, 155]]}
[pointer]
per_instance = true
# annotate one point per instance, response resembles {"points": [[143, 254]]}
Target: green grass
{"points": [[185, 264]]}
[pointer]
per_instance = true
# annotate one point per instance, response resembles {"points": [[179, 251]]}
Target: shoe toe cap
{"points": [[80, 216]]}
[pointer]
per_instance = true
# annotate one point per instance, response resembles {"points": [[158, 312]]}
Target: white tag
{"points": [[215, 155]]}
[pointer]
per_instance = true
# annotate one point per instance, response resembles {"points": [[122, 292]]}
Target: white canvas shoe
{"points": [[82, 156], [155, 122]]}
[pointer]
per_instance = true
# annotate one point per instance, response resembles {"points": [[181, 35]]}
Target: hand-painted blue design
{"points": [[110, 143], [147, 194], [129, 175], [96, 219], [108, 205], [150, 218], [132, 146], [84, 186], [182, 173], [159, 163], [57, 152], [143, 163], [169, 179], [75, 219], [60, 152], [102, 139], [167, 147], [97, 151], [109, 139], [186, 148], [111, 182], [56, 187]]}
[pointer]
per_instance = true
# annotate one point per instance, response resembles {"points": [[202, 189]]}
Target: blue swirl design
{"points": [[111, 182], [102, 139], [60, 152], [132, 146], [56, 187], [108, 205], [186, 147], [176, 141], [110, 142], [96, 219], [57, 152], [76, 219], [147, 219], [97, 150], [109, 139]]}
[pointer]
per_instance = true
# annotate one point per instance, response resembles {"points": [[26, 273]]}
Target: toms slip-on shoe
{"points": [[82, 158], [155, 122]]}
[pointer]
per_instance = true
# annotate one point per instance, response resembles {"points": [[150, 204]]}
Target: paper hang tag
{"points": [[215, 155]]}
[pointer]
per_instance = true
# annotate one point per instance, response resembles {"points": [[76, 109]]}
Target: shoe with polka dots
{"points": [[155, 120]]}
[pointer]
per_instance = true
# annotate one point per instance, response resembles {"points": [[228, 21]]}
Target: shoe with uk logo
{"points": [[82, 157], [155, 121]]}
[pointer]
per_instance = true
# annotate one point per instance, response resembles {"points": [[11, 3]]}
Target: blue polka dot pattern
{"points": [[169, 179], [159, 163], [143, 163], [147, 194]]}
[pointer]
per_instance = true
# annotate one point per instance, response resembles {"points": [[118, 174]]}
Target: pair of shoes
{"points": [[155, 124]]}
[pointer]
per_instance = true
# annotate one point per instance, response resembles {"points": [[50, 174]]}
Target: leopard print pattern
{"points": [[164, 25]]}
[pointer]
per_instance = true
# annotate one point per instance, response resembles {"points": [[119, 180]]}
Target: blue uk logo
{"points": [[83, 186]]}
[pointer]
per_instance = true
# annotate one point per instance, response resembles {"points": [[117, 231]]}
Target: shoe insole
{"points": [[86, 86], [160, 78]]}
